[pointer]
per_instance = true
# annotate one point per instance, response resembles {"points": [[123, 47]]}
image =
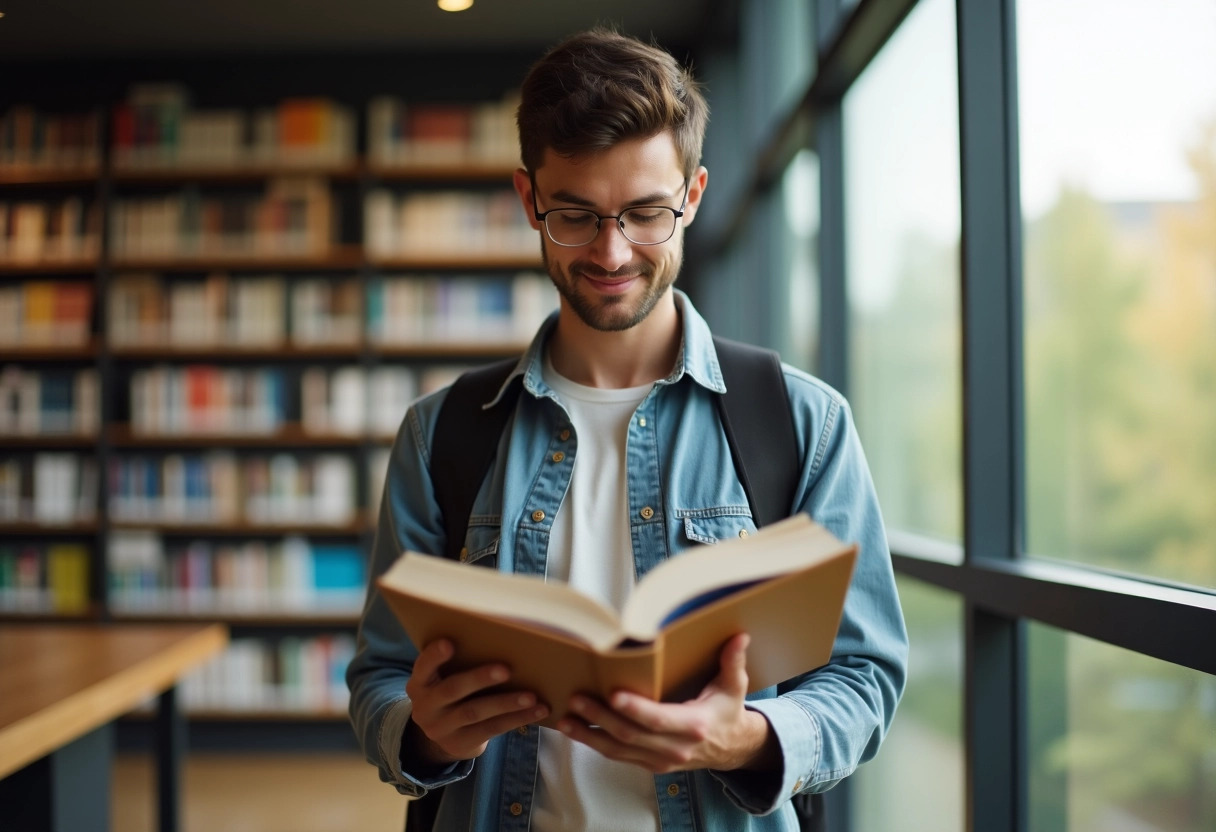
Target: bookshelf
{"points": [[269, 276]]}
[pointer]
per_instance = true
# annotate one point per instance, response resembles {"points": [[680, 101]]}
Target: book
{"points": [[784, 585]]}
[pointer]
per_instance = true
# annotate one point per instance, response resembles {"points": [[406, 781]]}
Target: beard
{"points": [[611, 313]]}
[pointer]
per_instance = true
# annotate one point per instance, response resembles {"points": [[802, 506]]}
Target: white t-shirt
{"points": [[590, 549]]}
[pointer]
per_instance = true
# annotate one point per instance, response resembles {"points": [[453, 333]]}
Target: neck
{"points": [[629, 358]]}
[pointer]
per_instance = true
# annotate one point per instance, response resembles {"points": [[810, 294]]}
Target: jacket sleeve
{"points": [[409, 518], [832, 719]]}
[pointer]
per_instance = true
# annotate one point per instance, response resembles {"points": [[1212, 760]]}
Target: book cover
{"points": [[784, 585]]}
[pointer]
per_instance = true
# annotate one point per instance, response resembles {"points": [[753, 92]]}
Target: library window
{"points": [[1117, 740], [1118, 192], [916, 783], [799, 247], [902, 225]]}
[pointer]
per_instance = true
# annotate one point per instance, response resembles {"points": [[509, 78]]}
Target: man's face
{"points": [[611, 283]]}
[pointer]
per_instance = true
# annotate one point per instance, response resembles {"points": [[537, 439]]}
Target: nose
{"points": [[610, 250]]}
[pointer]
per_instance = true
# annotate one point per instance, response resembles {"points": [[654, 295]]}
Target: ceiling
{"points": [[96, 28]]}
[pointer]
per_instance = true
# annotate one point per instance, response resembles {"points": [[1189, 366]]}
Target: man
{"points": [[614, 460]]}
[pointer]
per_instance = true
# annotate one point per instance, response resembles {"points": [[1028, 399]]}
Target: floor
{"points": [[314, 792]]}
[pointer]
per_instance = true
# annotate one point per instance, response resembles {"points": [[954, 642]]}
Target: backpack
{"points": [[763, 445]]}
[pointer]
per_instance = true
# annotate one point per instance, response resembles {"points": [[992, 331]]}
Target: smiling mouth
{"points": [[609, 279]]}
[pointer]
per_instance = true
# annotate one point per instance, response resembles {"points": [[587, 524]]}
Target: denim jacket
{"points": [[682, 492]]}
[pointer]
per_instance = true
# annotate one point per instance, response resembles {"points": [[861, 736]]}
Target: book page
{"points": [[487, 593], [696, 576]]}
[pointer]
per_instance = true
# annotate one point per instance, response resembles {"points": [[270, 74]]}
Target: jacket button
{"points": [[537, 516], [517, 809], [522, 730], [673, 789], [464, 554], [742, 532], [647, 513], [564, 435], [559, 456]]}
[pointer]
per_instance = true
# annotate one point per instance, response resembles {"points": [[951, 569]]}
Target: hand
{"points": [[450, 720], [714, 730]]}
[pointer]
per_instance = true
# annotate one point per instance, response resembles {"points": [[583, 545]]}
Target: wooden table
{"points": [[61, 688]]}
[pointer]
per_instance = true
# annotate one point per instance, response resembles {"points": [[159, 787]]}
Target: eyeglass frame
{"points": [[540, 217]]}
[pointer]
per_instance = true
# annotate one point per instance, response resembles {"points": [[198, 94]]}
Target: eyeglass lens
{"points": [[644, 226]]}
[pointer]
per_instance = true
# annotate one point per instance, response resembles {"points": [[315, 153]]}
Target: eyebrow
{"points": [[574, 199]]}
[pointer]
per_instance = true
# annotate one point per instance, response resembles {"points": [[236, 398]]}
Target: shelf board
{"points": [[50, 352], [237, 618], [48, 175], [451, 349], [121, 436], [32, 528], [448, 171], [10, 616], [38, 441], [455, 260], [249, 715], [284, 715], [242, 528], [174, 174], [337, 258], [86, 265], [222, 352]]}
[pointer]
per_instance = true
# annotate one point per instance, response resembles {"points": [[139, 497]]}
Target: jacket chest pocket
{"points": [[481, 542], [714, 525]]}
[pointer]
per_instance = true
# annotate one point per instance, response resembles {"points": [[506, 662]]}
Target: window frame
{"points": [[1001, 589]]}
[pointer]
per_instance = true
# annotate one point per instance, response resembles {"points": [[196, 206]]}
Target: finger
{"points": [[476, 710], [626, 731], [656, 717], [732, 663], [432, 657], [608, 746], [504, 722], [467, 683]]}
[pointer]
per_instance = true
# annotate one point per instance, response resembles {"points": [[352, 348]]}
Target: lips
{"points": [[605, 279]]}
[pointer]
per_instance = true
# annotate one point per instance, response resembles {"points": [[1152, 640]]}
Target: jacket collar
{"points": [[697, 357]]}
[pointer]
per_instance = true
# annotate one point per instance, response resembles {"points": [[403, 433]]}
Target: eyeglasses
{"points": [[644, 225]]}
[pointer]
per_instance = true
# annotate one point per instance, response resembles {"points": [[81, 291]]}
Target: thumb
{"points": [[732, 675]]}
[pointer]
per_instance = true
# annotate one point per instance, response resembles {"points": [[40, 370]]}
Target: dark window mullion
{"points": [[994, 669]]}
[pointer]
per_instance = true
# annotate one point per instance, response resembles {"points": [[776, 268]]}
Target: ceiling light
{"points": [[455, 5]]}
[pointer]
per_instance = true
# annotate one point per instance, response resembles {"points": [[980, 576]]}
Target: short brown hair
{"points": [[600, 87]]}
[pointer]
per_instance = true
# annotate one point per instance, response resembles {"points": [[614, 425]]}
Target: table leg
{"points": [[66, 791], [170, 747]]}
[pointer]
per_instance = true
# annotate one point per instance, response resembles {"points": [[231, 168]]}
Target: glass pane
{"points": [[902, 222], [1118, 165], [800, 233], [915, 784], [1117, 741]]}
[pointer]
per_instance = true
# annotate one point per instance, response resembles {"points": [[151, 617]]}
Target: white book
{"points": [[380, 227], [334, 493], [55, 487], [348, 401]]}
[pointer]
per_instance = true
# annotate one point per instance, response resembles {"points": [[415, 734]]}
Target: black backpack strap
{"points": [[466, 439], [759, 427]]}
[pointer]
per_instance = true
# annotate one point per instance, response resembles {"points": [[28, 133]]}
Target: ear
{"points": [[696, 189], [523, 187]]}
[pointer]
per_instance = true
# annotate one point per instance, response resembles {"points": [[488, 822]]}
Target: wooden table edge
{"points": [[37, 735]]}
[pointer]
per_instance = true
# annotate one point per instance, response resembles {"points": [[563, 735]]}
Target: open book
{"points": [[785, 585]]}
